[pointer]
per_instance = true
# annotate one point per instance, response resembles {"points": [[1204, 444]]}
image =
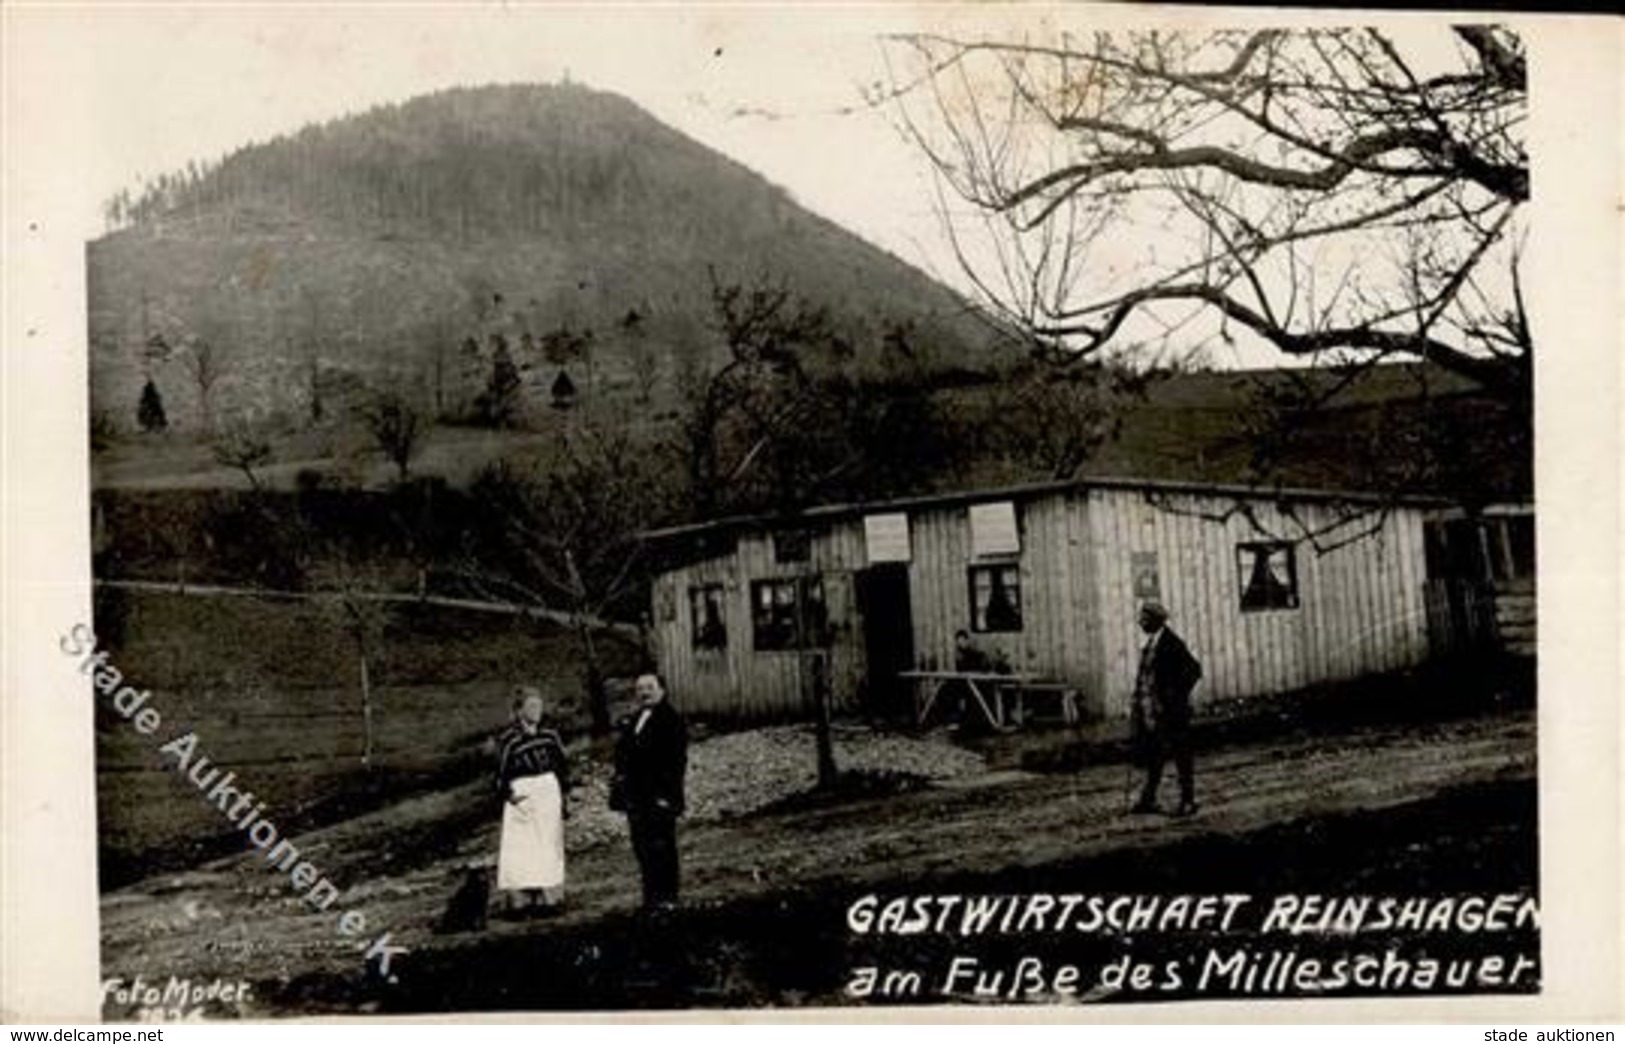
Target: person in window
{"points": [[651, 759], [1162, 709], [532, 780]]}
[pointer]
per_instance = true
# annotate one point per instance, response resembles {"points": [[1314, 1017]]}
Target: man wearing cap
{"points": [[1162, 709]]}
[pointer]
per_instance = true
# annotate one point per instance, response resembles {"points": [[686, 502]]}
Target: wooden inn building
{"points": [[1274, 591]]}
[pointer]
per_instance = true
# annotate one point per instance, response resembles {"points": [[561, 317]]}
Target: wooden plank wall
{"points": [[1058, 641], [700, 680], [740, 682], [1057, 638], [1361, 607]]}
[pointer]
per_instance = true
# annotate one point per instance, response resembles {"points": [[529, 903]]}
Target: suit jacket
{"points": [[650, 762], [1174, 673]]}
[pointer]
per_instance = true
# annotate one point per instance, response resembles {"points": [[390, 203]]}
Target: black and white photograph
{"points": [[877, 508]]}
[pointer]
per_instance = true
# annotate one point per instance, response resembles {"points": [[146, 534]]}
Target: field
{"points": [[272, 689]]}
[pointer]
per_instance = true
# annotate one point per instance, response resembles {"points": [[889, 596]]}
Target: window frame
{"points": [[697, 595], [804, 586], [1245, 568], [978, 621]]}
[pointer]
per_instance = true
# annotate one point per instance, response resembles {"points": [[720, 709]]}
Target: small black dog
{"points": [[465, 910]]}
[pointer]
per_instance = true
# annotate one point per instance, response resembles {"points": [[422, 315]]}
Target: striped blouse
{"points": [[526, 753]]}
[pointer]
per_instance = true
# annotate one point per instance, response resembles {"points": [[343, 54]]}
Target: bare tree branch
{"points": [[1194, 164]]}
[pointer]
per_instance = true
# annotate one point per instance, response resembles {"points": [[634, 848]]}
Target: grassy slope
{"points": [[1406, 427], [272, 690]]}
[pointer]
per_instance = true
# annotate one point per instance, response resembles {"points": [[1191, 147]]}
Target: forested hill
{"points": [[372, 247]]}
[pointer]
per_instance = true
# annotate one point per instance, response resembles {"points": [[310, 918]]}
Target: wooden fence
{"points": [[1461, 617]]}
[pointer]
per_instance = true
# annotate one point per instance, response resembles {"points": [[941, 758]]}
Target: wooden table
{"points": [[988, 688], [1066, 697]]}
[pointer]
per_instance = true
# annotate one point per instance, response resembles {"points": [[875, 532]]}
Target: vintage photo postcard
{"points": [[895, 509]]}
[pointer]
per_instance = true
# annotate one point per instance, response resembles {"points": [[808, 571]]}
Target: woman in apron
{"points": [[531, 777]]}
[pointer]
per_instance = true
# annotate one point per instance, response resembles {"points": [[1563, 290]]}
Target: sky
{"points": [[146, 89], [153, 88]]}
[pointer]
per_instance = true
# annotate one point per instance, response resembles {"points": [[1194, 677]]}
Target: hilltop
{"points": [[370, 250]]}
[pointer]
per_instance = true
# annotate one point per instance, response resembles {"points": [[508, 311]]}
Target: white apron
{"points": [[532, 852]]}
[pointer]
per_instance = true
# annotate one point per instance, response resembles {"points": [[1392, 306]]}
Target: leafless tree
{"points": [[205, 366], [751, 420], [1343, 191], [780, 424], [641, 355], [243, 447], [560, 535], [1056, 418], [440, 364], [395, 425], [364, 619]]}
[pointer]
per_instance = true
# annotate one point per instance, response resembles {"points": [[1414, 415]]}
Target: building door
{"points": [[888, 636], [1460, 594]]}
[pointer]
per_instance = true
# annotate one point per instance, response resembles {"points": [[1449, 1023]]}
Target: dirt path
{"points": [[1034, 820], [240, 920]]}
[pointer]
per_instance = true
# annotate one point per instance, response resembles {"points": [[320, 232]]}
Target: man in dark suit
{"points": [[1162, 709], [651, 758]]}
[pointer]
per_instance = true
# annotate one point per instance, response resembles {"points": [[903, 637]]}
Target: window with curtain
{"points": [[1269, 576], [780, 609], [708, 616], [995, 598]]}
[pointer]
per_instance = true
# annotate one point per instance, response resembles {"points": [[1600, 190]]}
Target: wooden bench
{"points": [[988, 690], [1003, 699]]}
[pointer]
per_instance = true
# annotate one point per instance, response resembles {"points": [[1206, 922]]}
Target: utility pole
{"points": [[811, 662]]}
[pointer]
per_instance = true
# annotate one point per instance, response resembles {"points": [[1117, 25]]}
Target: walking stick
{"points": [[1136, 737], [1138, 751]]}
